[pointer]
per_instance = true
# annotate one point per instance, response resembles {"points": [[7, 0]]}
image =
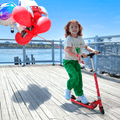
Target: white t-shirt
{"points": [[76, 44]]}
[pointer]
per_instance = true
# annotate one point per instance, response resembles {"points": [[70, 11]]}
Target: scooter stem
{"points": [[95, 77], [96, 83], [92, 64]]}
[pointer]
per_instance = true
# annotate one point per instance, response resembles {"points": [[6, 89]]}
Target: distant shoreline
{"points": [[30, 46]]}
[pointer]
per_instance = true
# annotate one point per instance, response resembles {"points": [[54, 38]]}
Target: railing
{"points": [[110, 50], [23, 52], [109, 58]]}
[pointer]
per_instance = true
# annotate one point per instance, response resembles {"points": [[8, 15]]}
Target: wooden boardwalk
{"points": [[35, 92]]}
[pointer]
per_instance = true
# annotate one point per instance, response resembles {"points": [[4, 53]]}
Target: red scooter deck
{"points": [[88, 105]]}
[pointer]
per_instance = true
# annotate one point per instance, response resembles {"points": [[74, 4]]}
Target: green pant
{"points": [[74, 71]]}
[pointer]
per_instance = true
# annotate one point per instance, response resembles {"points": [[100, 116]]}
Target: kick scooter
{"points": [[95, 102]]}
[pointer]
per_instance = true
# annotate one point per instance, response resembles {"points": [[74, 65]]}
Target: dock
{"points": [[36, 92]]}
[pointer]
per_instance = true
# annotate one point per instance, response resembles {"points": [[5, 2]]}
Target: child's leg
{"points": [[73, 74], [78, 88]]}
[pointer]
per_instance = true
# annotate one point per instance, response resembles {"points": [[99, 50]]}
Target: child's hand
{"points": [[96, 52], [84, 55]]}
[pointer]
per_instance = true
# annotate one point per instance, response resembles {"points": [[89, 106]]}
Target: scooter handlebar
{"points": [[90, 54]]}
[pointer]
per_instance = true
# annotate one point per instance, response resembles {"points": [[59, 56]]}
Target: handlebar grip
{"points": [[90, 54]]}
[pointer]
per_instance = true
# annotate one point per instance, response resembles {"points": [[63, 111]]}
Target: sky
{"points": [[97, 17]]}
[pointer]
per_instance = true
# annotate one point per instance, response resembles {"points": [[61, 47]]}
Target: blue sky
{"points": [[98, 17]]}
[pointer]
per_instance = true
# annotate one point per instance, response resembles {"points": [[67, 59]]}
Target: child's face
{"points": [[73, 28]]}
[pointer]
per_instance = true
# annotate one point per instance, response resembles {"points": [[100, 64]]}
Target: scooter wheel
{"points": [[102, 110]]}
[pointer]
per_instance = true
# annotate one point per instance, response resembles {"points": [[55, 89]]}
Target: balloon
{"points": [[22, 16], [30, 10], [6, 10], [29, 16], [23, 40], [43, 24], [37, 15], [44, 11], [36, 12]]}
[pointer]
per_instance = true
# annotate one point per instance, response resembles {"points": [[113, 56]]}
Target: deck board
{"points": [[36, 92]]}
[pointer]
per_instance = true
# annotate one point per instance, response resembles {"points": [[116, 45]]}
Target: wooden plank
{"points": [[11, 108], [106, 87], [0, 112], [68, 118], [1, 95], [92, 86], [12, 96], [48, 105], [56, 95], [4, 110], [26, 85], [27, 100], [20, 100], [43, 107], [106, 97], [5, 114], [87, 77], [71, 115], [114, 82]]}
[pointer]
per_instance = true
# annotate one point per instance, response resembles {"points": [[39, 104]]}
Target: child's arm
{"points": [[91, 50]]}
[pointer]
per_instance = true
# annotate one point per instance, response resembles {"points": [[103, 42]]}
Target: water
{"points": [[7, 55]]}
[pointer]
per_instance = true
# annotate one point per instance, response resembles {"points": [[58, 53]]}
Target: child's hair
{"points": [[67, 28]]}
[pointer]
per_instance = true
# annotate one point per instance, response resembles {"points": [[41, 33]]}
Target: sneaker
{"points": [[67, 94], [82, 99]]}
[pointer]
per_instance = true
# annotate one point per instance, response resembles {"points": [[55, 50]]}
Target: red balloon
{"points": [[22, 16], [37, 15], [23, 40], [36, 11], [43, 24]]}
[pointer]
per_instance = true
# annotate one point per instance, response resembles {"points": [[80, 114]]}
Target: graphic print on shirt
{"points": [[77, 49]]}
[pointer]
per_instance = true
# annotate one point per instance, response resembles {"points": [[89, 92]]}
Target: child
{"points": [[73, 44]]}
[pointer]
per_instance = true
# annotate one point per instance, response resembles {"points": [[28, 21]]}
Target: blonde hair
{"points": [[67, 28]]}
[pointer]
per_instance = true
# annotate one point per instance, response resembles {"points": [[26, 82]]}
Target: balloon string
{"points": [[55, 45], [58, 46]]}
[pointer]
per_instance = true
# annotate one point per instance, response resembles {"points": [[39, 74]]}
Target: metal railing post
{"points": [[95, 57], [53, 52], [60, 52], [24, 55]]}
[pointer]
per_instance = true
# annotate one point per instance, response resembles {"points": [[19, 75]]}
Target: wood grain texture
{"points": [[36, 92]]}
